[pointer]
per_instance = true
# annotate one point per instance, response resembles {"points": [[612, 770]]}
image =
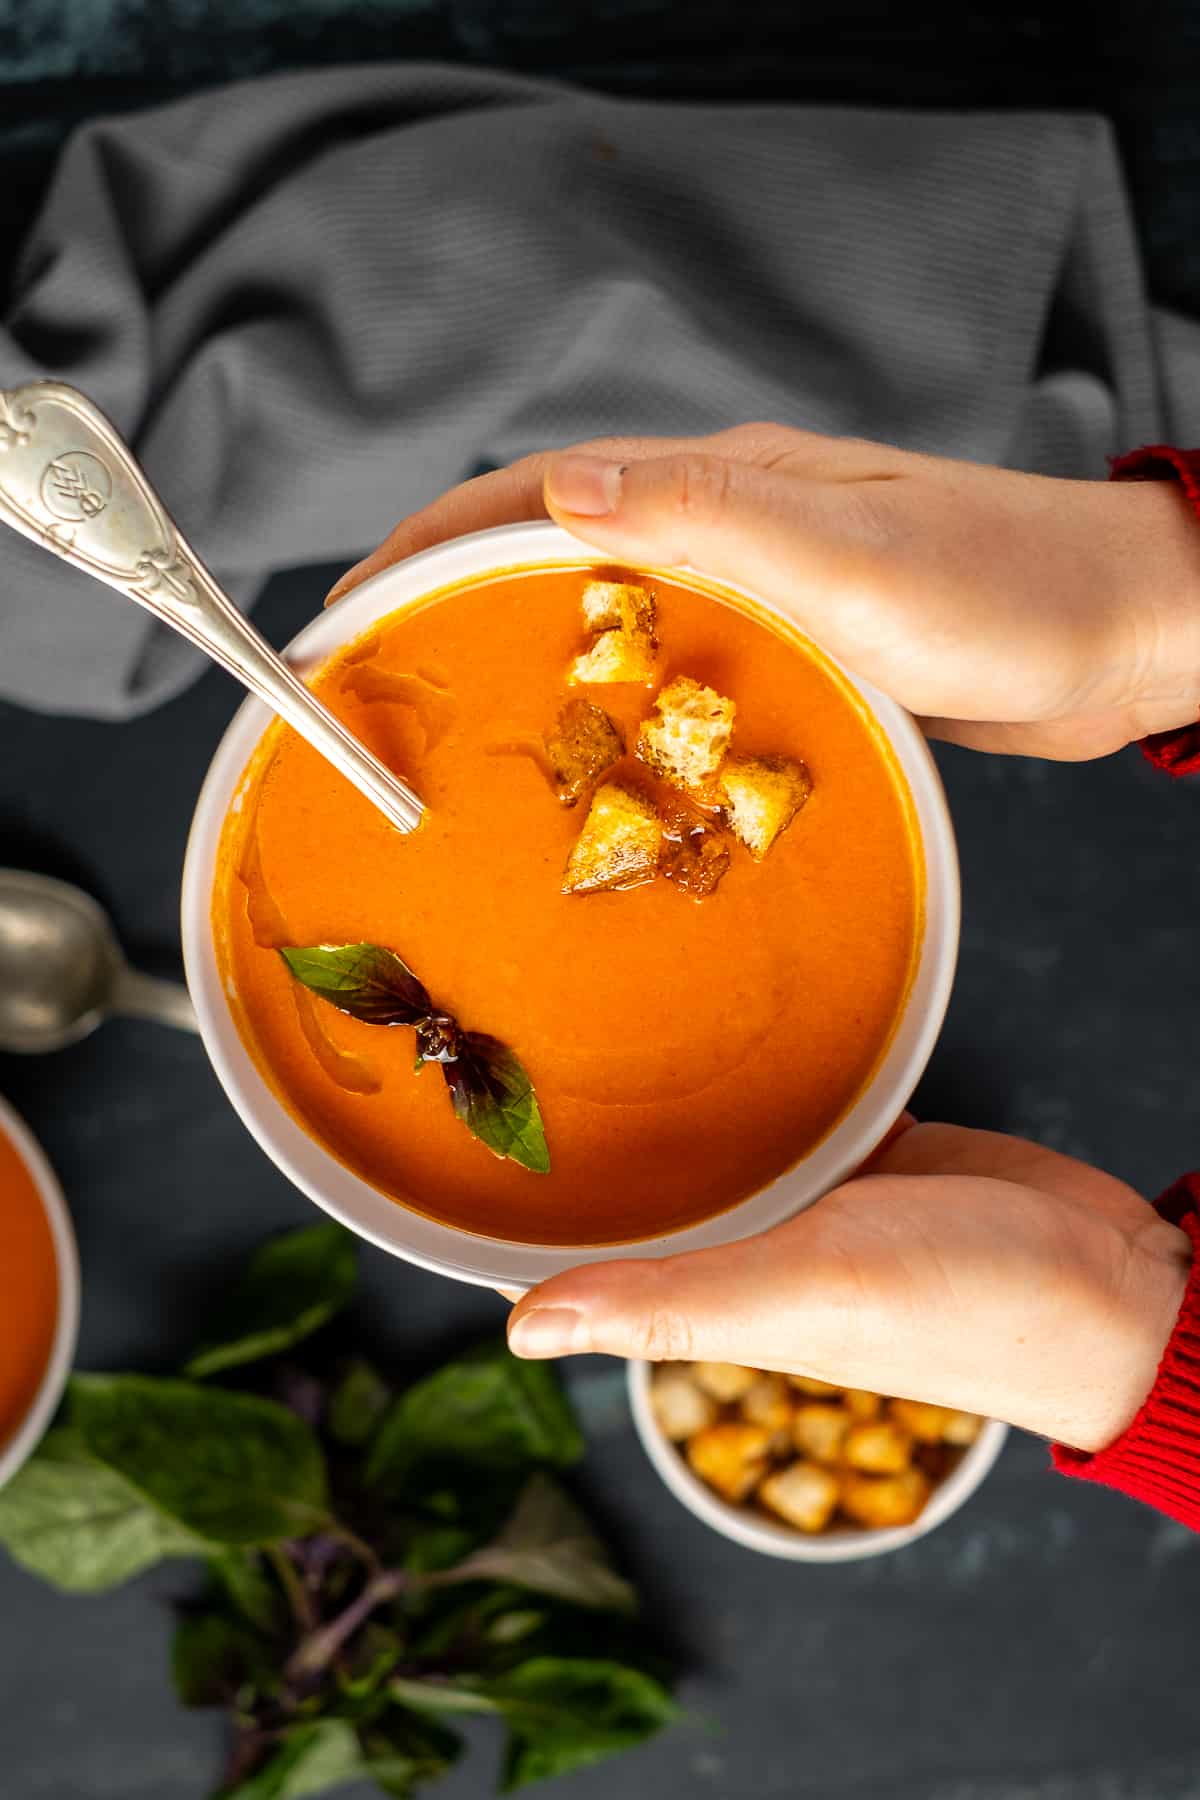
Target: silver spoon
{"points": [[62, 971], [69, 482]]}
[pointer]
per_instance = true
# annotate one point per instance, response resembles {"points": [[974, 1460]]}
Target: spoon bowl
{"points": [[62, 971]]}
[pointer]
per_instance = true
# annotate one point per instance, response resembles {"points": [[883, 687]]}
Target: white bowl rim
{"points": [[756, 1533], [16, 1449], [447, 1250]]}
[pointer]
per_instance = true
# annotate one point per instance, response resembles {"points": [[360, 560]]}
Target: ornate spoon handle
{"points": [[70, 483]]}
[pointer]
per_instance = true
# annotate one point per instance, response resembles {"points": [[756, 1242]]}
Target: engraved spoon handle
{"points": [[70, 483]]}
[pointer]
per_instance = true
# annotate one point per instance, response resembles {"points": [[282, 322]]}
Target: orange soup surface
{"points": [[684, 1052], [28, 1290]]}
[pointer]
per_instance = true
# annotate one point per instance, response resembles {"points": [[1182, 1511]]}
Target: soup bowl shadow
{"points": [[449, 1250], [19, 1446]]}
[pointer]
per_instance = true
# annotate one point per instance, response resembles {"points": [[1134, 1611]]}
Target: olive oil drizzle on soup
{"points": [[684, 1052]]}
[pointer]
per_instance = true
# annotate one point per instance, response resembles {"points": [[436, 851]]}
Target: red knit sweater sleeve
{"points": [[1178, 752], [1157, 1459]]}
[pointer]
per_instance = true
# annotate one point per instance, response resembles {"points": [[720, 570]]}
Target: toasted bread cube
{"points": [[762, 795], [731, 1458], [819, 1430], [806, 1384], [883, 1500], [694, 854], [680, 1407], [803, 1494], [962, 1428], [685, 741], [768, 1403], [619, 844], [583, 743], [621, 606], [933, 1460], [615, 657], [926, 1423], [878, 1448], [724, 1381], [861, 1403]]}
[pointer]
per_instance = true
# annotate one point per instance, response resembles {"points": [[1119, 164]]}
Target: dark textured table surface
{"points": [[1037, 1647]]}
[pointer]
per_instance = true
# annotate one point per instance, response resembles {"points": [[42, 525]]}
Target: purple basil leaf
{"points": [[494, 1098], [364, 980]]}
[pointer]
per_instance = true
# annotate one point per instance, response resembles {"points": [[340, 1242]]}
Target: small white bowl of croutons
{"points": [[798, 1468]]}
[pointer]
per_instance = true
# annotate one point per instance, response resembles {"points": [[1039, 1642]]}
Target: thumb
{"points": [[794, 540], [741, 1302]]}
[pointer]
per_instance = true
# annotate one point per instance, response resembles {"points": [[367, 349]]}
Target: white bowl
{"points": [[445, 1249], [841, 1544], [20, 1446]]}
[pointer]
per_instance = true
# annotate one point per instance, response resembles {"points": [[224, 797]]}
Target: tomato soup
{"points": [[684, 1051], [28, 1289]]}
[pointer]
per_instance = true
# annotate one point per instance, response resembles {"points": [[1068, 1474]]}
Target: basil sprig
{"points": [[380, 1555], [489, 1088]]}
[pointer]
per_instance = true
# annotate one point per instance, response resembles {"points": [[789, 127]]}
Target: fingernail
{"points": [[549, 1331], [587, 485], [349, 580]]}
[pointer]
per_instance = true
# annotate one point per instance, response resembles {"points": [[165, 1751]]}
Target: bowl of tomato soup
{"points": [[39, 1293], [664, 960]]}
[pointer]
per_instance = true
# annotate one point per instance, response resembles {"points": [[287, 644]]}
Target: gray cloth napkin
{"points": [[314, 302]]}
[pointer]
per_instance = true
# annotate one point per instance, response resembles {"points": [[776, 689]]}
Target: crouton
{"points": [[769, 1403], [819, 1430], [694, 854], [615, 657], [879, 1449], [680, 1407], [926, 1423], [880, 1501], [731, 1458], [806, 1384], [687, 739], [620, 606], [619, 844], [761, 796], [802, 1494], [861, 1403], [961, 1428], [724, 1381], [583, 743]]}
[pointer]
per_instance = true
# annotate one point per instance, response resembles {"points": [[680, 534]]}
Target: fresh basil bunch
{"points": [[378, 1561]]}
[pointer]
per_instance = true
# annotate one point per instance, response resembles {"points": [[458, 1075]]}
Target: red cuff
{"points": [[1178, 752], [1158, 1458]]}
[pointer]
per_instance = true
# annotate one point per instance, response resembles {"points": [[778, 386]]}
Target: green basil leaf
{"points": [[458, 1694], [214, 1659], [562, 1712], [291, 1287], [364, 980], [494, 1098], [357, 1404], [243, 1581], [311, 1759], [548, 1546], [401, 1750], [78, 1525], [231, 1468], [485, 1409]]}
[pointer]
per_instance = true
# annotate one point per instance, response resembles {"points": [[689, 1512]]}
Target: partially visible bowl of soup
{"points": [[39, 1293], [664, 960]]}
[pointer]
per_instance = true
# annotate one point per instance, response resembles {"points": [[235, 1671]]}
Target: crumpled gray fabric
{"points": [[315, 301]]}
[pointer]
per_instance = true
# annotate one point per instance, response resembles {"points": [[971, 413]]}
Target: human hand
{"points": [[1009, 612], [964, 1268]]}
